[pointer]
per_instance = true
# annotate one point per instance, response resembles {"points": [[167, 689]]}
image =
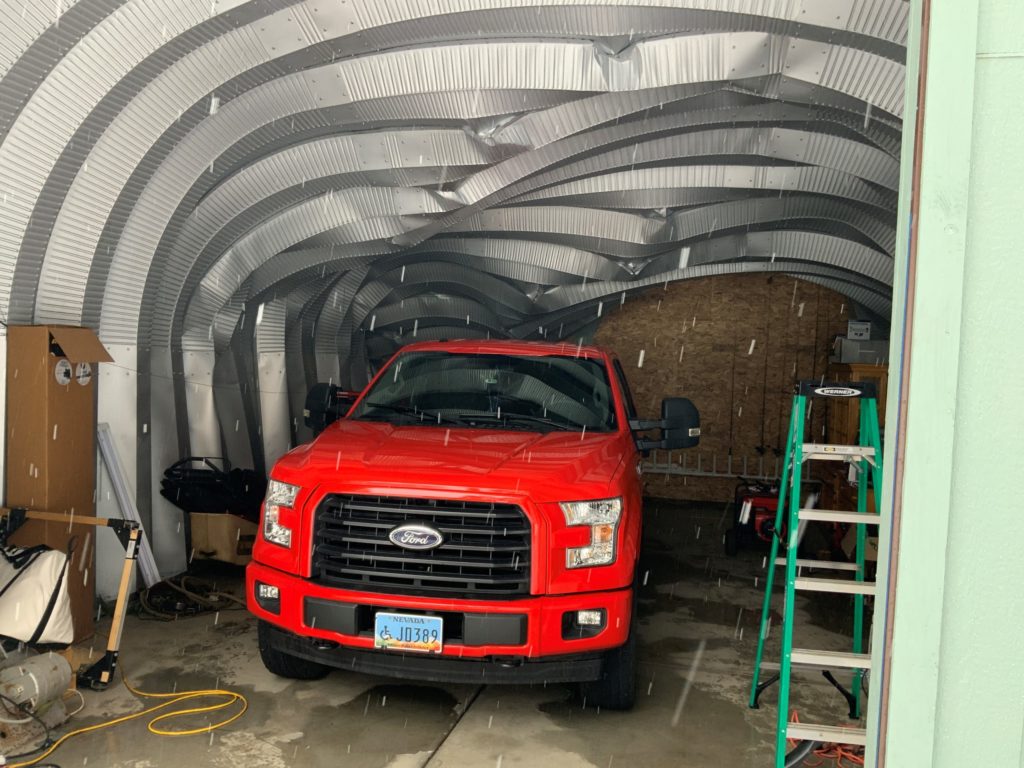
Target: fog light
{"points": [[268, 592], [579, 625], [268, 597]]}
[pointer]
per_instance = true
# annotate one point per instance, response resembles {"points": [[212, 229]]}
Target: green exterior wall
{"points": [[957, 662]]}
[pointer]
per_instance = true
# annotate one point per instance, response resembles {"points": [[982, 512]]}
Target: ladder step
{"points": [[824, 565], [841, 516], [830, 659], [840, 586], [816, 660], [827, 734], [826, 452]]}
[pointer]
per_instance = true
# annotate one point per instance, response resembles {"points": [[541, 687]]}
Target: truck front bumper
{"points": [[439, 669], [526, 640]]}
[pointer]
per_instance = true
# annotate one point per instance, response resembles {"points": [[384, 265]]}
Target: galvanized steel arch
{"points": [[887, 23], [264, 140], [187, 246], [629, 235], [399, 279], [532, 255], [278, 181], [797, 173], [214, 163], [520, 260], [752, 137], [607, 189], [572, 151], [358, 214], [865, 265], [304, 303], [503, 304], [565, 302], [591, 78], [258, 46], [114, 56]]}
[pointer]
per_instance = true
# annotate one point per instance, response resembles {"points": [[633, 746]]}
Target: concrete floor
{"points": [[699, 610]]}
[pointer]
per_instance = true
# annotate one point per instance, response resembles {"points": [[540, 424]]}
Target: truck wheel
{"points": [[616, 689], [283, 664]]}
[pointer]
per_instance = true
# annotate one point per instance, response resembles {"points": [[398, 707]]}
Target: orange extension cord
{"points": [[837, 755]]}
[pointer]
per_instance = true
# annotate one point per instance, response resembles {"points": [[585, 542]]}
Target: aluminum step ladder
{"points": [[866, 458]]}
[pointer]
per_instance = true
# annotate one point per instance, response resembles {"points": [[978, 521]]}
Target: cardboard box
{"points": [[222, 536], [51, 446], [849, 545]]}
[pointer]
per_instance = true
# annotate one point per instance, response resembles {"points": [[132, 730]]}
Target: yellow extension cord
{"points": [[172, 699]]}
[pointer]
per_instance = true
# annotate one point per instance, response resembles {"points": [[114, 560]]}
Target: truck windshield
{"points": [[492, 391]]}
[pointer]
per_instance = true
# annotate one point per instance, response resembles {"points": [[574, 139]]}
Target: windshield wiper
{"points": [[427, 417], [507, 416]]}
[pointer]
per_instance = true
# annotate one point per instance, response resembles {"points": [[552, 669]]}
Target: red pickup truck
{"points": [[474, 518]]}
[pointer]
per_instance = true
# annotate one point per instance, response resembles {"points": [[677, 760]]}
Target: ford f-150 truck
{"points": [[475, 517]]}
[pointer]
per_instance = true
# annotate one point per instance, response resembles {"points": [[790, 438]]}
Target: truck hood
{"points": [[380, 457]]}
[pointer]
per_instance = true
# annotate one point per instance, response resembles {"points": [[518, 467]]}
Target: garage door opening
{"points": [[251, 201]]}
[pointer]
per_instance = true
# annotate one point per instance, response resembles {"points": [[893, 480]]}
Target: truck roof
{"points": [[507, 347]]}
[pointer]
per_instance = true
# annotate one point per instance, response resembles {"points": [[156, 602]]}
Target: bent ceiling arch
{"points": [[248, 161], [529, 170], [630, 235], [308, 173], [279, 181], [423, 207], [268, 176], [536, 61]]}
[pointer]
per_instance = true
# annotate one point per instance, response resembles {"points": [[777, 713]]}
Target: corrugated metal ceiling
{"points": [[500, 166]]}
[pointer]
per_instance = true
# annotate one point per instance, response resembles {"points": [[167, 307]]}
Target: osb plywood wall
{"points": [[735, 345]]}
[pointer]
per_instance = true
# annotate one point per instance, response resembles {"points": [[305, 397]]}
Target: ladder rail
{"points": [[871, 435], [780, 510], [875, 437], [792, 536], [858, 600]]}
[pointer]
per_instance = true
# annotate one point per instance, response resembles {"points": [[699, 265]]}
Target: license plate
{"points": [[407, 632]]}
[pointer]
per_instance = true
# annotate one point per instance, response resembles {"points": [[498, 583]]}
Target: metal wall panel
{"points": [[272, 379], [167, 520]]}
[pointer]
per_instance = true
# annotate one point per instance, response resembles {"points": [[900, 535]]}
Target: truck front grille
{"points": [[486, 548]]}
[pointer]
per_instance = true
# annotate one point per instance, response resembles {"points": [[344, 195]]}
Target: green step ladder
{"points": [[866, 457]]}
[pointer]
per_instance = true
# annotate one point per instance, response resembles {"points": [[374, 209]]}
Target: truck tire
{"points": [[283, 664], [616, 688]]}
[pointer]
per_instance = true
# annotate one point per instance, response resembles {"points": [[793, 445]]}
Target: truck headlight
{"points": [[602, 517], [278, 495]]}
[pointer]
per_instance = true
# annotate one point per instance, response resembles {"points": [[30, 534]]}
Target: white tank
{"points": [[36, 680]]}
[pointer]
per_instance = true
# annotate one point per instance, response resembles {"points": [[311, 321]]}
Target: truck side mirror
{"points": [[325, 404], [679, 425]]}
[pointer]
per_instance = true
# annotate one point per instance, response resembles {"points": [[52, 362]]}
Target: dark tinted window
{"points": [[492, 391]]}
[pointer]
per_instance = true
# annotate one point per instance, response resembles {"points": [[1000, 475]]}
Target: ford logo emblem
{"points": [[416, 536]]}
